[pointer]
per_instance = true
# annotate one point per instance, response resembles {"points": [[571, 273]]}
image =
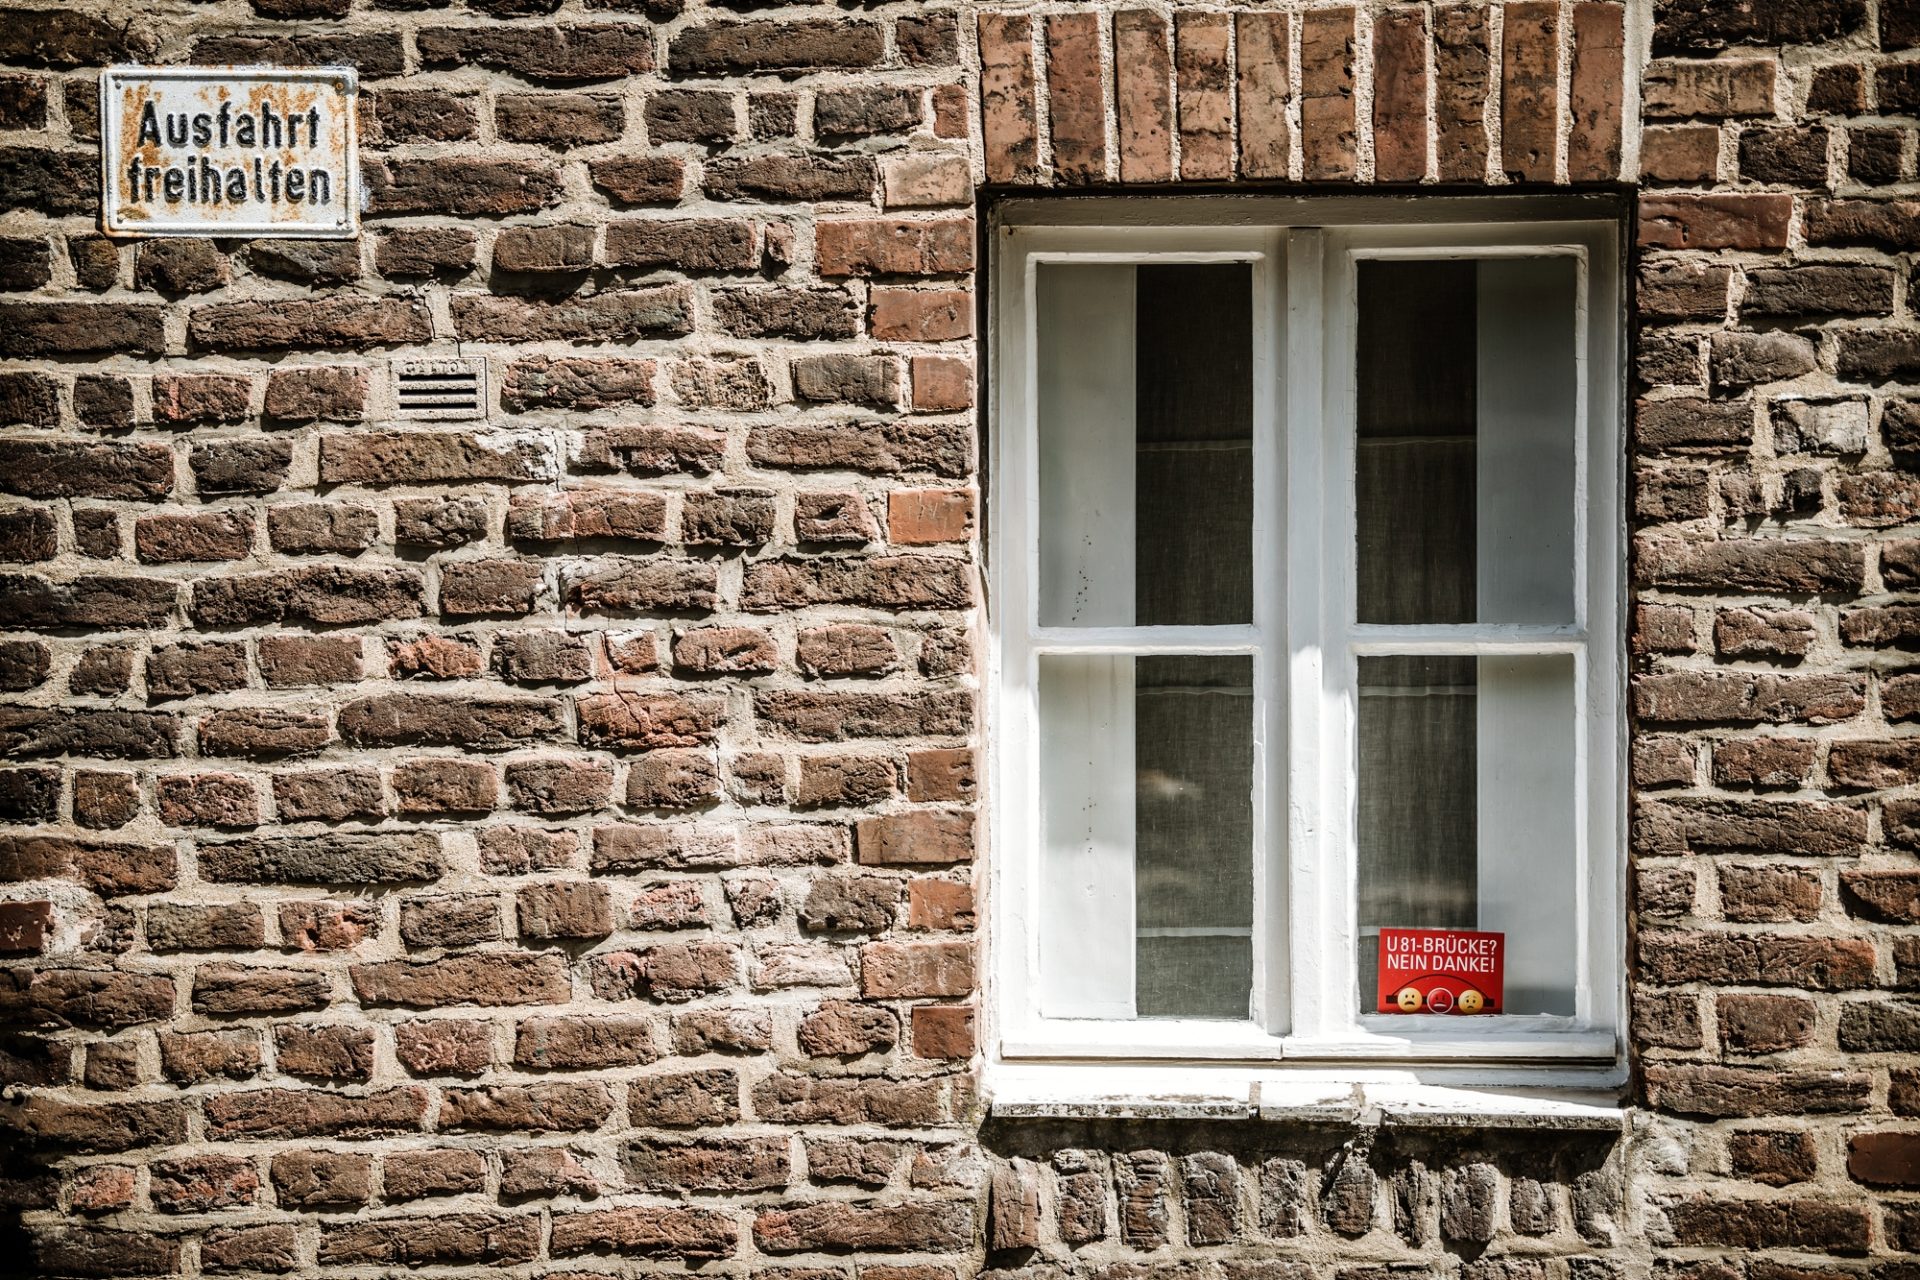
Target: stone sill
{"points": [[1076, 1092]]}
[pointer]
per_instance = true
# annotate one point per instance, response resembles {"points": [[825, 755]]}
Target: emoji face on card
{"points": [[1409, 1000], [1472, 1001]]}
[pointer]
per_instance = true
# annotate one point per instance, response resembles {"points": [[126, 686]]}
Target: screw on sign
{"points": [[229, 151], [1458, 971]]}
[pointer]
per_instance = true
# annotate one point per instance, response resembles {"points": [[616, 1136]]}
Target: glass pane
{"points": [[1467, 812], [1146, 781], [1464, 484], [1146, 444]]}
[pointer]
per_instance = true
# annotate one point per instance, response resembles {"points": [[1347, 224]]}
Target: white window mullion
{"points": [[1319, 871]]}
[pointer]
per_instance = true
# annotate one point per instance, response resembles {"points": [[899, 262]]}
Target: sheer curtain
{"points": [[1147, 514]]}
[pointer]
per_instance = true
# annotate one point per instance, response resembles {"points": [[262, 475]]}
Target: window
{"points": [[1306, 565]]}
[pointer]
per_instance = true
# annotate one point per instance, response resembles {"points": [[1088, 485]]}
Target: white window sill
{"points": [[1376, 1038], [1110, 1092]]}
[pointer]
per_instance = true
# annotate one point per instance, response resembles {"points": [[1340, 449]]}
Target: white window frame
{"points": [[1304, 256]]}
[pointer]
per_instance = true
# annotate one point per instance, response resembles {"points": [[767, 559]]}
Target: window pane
{"points": [[1464, 484], [1467, 812], [1147, 816], [1146, 444]]}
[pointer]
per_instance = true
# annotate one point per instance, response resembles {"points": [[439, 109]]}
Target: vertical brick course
{"points": [[1076, 89], [1143, 95], [1529, 98], [1462, 78], [1263, 77], [1205, 95], [1400, 96], [1593, 99], [1008, 108], [1327, 139]]}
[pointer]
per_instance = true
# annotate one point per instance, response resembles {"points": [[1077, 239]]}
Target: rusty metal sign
{"points": [[229, 151]]}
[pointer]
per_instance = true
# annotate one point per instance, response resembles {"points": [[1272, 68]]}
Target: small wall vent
{"points": [[440, 389]]}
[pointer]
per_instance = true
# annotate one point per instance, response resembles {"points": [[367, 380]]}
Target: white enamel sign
{"points": [[229, 151]]}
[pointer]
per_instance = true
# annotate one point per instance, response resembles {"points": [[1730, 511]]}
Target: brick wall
{"points": [[548, 844]]}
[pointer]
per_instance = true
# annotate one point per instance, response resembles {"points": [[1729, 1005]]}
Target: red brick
{"points": [[646, 1232], [1682, 153], [1714, 221], [890, 970], [878, 247], [1529, 91], [1263, 62], [917, 1225], [1143, 95], [950, 114], [941, 382], [1009, 112], [919, 315], [445, 786], [1677, 89], [1596, 94], [1205, 95], [1462, 81], [1774, 1158], [921, 517], [23, 927], [943, 1031], [1400, 95], [922, 836], [1763, 1024], [946, 774], [814, 44], [1327, 135], [926, 180], [1076, 99], [1886, 1159]]}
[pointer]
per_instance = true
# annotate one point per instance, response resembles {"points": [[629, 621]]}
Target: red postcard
{"points": [[1441, 971]]}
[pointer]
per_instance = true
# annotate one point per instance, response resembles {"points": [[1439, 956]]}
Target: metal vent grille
{"points": [[440, 389]]}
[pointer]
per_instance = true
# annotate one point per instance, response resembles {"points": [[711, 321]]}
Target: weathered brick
{"points": [[646, 1232], [1754, 1224], [1719, 825], [491, 979], [652, 179], [56, 469], [559, 120], [584, 1043], [689, 245], [615, 316], [735, 48], [1529, 90], [211, 535], [886, 448], [1714, 221], [441, 1046], [544, 54], [84, 998], [453, 1238], [876, 247], [329, 858], [1801, 566], [1722, 1092]]}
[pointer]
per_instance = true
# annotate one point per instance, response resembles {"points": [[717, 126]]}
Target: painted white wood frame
{"points": [[1305, 644]]}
